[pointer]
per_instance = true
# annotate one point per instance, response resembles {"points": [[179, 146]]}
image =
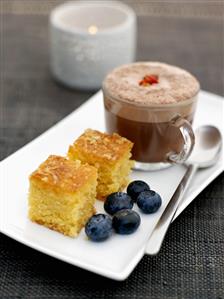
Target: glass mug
{"points": [[162, 134]]}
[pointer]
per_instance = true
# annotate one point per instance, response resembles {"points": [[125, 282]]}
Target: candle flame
{"points": [[92, 29]]}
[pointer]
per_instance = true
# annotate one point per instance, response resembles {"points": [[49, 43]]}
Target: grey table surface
{"points": [[191, 262]]}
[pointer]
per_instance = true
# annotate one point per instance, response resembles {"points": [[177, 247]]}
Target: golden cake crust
{"points": [[104, 147], [60, 174], [110, 154]]}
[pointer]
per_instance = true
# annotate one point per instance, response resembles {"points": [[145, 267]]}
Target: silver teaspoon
{"points": [[208, 144]]}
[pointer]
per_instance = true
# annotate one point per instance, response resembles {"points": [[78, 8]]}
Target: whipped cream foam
{"points": [[174, 84]]}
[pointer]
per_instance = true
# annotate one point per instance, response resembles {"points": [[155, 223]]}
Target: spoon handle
{"points": [[158, 235]]}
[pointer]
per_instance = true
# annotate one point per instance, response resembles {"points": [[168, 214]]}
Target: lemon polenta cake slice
{"points": [[62, 194], [110, 154]]}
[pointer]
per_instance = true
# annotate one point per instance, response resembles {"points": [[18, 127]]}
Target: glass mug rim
{"points": [[113, 98]]}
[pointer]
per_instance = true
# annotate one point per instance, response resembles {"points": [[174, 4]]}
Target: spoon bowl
{"points": [[207, 148]]}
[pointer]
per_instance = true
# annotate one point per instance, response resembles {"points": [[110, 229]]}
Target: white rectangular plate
{"points": [[118, 256]]}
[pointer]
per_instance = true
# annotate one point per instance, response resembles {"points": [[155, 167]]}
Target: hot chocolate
{"points": [[152, 104]]}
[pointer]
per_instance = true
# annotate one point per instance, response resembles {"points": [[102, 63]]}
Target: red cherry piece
{"points": [[149, 80], [152, 79]]}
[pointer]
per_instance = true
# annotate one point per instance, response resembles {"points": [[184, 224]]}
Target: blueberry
{"points": [[99, 227], [136, 187], [149, 201], [126, 222], [117, 201]]}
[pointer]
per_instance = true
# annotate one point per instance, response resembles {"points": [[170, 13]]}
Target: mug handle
{"points": [[189, 140]]}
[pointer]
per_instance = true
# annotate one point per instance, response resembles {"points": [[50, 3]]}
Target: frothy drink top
{"points": [[132, 83]]}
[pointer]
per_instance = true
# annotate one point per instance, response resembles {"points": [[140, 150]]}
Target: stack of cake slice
{"points": [[63, 190]]}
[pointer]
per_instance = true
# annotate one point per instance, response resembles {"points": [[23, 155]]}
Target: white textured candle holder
{"points": [[90, 38]]}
